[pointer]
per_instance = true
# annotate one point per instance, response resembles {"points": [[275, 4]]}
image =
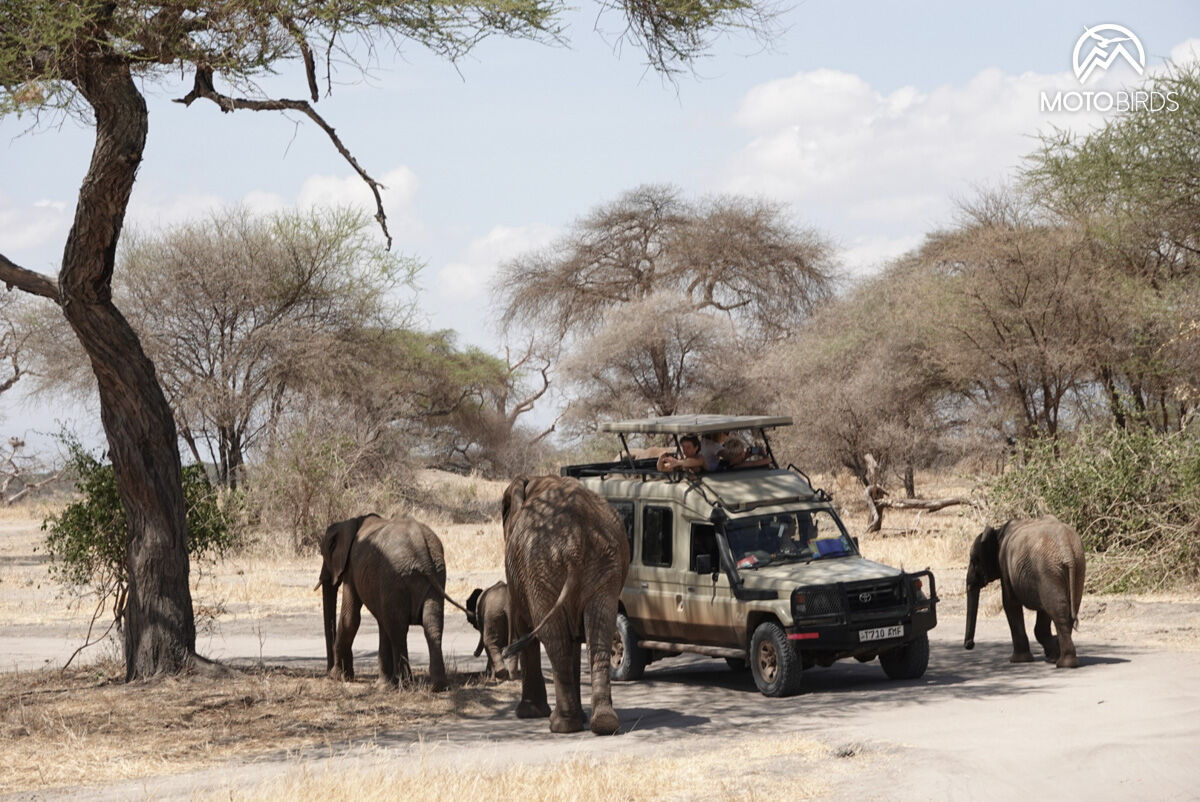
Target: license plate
{"points": [[881, 633]]}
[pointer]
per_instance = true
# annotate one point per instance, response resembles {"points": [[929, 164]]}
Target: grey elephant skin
{"points": [[398, 570], [1040, 566], [565, 559], [487, 611]]}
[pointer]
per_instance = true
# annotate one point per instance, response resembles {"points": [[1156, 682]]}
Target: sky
{"points": [[869, 119]]}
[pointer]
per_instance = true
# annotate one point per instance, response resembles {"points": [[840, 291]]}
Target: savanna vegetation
{"points": [[1045, 341]]}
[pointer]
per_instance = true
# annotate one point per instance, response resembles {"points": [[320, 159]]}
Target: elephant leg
{"points": [[599, 620], [533, 702], [496, 660], [563, 651], [1066, 646], [1041, 631], [387, 660], [399, 637], [1016, 625], [348, 622], [431, 621]]}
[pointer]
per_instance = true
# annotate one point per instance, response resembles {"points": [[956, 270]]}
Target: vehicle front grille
{"points": [[876, 599]]}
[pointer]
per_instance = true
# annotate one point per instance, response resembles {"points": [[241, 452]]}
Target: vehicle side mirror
{"points": [[704, 564]]}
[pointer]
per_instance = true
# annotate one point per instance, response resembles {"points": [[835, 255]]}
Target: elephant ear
{"points": [[989, 552], [514, 497], [335, 546], [473, 606]]}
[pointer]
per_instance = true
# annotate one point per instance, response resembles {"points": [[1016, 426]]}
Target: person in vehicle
{"points": [[689, 446], [735, 454]]}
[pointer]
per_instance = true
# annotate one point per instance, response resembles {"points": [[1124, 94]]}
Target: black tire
{"points": [[738, 664], [628, 660], [774, 663], [908, 661]]}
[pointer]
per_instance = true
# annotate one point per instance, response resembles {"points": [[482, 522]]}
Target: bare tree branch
{"points": [[13, 275], [203, 87]]}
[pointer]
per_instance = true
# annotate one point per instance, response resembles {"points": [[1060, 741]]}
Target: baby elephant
{"points": [[487, 610], [1040, 566]]}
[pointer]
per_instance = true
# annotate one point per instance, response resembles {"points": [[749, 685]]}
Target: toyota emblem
{"points": [[864, 597]]}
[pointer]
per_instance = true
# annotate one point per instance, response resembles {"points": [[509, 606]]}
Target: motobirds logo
{"points": [[1099, 48]]}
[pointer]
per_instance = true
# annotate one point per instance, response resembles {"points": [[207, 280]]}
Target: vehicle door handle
{"points": [[645, 585]]}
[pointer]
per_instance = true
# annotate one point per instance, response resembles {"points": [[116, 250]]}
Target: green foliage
{"points": [[1132, 494], [87, 541]]}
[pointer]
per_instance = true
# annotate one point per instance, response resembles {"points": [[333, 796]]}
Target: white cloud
{"points": [[468, 277], [853, 157], [1186, 51], [868, 254], [399, 194], [40, 225]]}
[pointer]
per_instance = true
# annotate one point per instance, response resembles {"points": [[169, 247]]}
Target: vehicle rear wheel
{"points": [[775, 664], [737, 664], [908, 661], [628, 660]]}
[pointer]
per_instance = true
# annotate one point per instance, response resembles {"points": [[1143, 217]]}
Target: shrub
{"points": [[87, 540], [1132, 494]]}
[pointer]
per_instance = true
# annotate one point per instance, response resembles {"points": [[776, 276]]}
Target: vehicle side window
{"points": [[625, 510], [704, 541], [657, 533]]}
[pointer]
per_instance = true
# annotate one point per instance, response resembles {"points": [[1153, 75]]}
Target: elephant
{"points": [[397, 569], [565, 559], [1040, 565], [487, 611]]}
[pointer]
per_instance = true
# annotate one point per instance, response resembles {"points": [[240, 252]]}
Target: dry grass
{"points": [[86, 727], [738, 770]]}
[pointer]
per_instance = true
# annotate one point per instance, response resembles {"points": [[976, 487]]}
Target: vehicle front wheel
{"points": [[908, 661], [774, 663], [628, 660]]}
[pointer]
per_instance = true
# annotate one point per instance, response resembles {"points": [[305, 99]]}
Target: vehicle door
{"points": [[653, 595], [708, 610]]}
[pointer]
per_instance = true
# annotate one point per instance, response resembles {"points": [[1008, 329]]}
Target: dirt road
{"points": [[1126, 725]]}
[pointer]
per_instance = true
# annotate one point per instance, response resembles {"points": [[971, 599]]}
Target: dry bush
{"points": [[737, 770], [85, 726]]}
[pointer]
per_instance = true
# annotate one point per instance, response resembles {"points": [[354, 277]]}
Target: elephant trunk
{"points": [[972, 614], [329, 598]]}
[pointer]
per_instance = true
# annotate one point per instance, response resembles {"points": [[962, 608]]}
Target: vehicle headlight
{"points": [[810, 603]]}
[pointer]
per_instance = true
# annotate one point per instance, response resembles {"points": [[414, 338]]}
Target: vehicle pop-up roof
{"points": [[674, 425], [695, 424]]}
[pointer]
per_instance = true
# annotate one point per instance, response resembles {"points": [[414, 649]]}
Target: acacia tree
{"points": [[652, 293], [1131, 187], [238, 312], [94, 57]]}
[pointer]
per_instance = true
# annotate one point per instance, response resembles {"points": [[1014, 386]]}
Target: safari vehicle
{"points": [[751, 565]]}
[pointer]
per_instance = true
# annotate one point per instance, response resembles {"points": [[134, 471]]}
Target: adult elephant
{"points": [[1040, 565], [398, 570], [487, 611], [565, 559]]}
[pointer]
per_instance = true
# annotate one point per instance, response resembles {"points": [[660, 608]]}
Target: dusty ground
{"points": [[1124, 725]]}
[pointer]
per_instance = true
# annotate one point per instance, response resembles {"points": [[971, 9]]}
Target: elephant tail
{"points": [[1076, 588], [568, 590], [452, 601]]}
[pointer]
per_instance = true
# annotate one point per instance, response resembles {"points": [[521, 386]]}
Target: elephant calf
{"points": [[487, 610], [1040, 565], [397, 569]]}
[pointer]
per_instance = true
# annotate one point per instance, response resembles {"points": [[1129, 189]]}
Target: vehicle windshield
{"points": [[786, 537]]}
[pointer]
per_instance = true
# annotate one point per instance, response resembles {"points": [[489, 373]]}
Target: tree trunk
{"points": [[160, 632]]}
